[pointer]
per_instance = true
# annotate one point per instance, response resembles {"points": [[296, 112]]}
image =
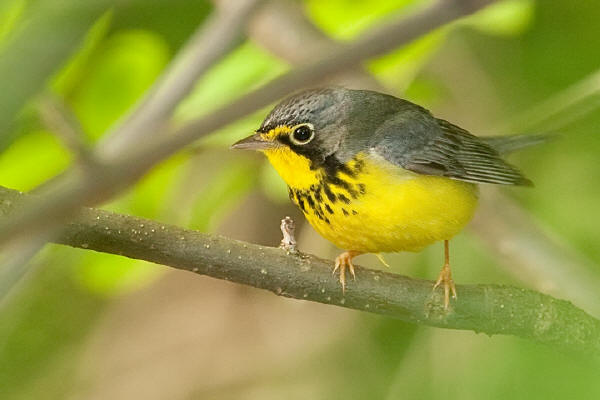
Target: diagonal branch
{"points": [[491, 309], [120, 171], [211, 42], [57, 117]]}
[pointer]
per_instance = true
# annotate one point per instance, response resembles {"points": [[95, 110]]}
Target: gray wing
{"points": [[419, 142]]}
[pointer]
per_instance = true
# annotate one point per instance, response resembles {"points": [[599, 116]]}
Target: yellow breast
{"points": [[373, 206]]}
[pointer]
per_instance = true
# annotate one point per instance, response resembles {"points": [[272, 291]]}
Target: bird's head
{"points": [[300, 133]]}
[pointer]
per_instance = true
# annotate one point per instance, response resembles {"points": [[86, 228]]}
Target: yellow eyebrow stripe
{"points": [[276, 132]]}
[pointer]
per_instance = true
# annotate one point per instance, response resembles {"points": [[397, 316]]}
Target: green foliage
{"points": [[43, 325], [345, 19], [245, 68], [110, 275], [39, 156], [44, 34], [524, 71], [118, 73], [10, 12], [221, 193], [509, 17], [173, 20], [483, 73]]}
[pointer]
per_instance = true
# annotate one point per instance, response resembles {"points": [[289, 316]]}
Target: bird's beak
{"points": [[254, 142]]}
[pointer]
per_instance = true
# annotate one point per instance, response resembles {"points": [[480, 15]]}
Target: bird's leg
{"points": [[344, 261], [445, 277]]}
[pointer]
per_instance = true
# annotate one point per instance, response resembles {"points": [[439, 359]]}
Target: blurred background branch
{"points": [[86, 324], [33, 54], [60, 120], [490, 309], [212, 41], [130, 164]]}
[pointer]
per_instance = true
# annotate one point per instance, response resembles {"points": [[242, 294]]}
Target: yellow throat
{"points": [[370, 205]]}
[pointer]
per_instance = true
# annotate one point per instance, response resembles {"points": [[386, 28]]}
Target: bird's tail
{"points": [[508, 144]]}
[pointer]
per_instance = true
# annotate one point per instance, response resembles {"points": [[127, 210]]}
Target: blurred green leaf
{"points": [[398, 68], [508, 17], [43, 326], [245, 68], [77, 68], [344, 19], [152, 196], [10, 12], [31, 160], [50, 33], [111, 275], [120, 72], [173, 20], [221, 193], [424, 90]]}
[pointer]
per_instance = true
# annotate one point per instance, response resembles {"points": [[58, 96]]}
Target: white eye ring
{"points": [[302, 133]]}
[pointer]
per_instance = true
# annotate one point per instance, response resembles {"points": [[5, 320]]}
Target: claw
{"points": [[342, 262], [445, 278]]}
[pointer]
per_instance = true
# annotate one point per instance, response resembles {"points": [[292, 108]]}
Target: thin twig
{"points": [[374, 43], [62, 199], [211, 42], [61, 121], [299, 41], [491, 309], [288, 228]]}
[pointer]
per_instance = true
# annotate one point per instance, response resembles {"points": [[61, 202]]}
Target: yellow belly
{"points": [[399, 210]]}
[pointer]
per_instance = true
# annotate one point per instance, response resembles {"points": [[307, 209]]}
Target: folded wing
{"points": [[423, 144]]}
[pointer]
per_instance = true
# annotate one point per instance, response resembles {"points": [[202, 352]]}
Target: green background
{"points": [[88, 325]]}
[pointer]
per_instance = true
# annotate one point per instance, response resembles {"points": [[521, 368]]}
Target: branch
{"points": [[299, 40], [48, 36], [211, 42], [524, 250], [531, 255], [491, 309], [118, 172], [58, 118]]}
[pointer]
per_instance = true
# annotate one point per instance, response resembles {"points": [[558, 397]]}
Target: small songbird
{"points": [[373, 173]]}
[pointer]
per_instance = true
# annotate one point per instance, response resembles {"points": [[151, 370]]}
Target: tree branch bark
{"points": [[491, 309]]}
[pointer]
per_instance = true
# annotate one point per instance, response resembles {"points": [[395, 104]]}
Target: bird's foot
{"points": [[342, 262], [445, 279]]}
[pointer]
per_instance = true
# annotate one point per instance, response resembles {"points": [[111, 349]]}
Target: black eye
{"points": [[302, 134]]}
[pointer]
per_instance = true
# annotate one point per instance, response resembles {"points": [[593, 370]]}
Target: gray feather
{"points": [[347, 122], [421, 143]]}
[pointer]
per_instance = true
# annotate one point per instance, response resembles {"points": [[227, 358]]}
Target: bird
{"points": [[373, 173]]}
